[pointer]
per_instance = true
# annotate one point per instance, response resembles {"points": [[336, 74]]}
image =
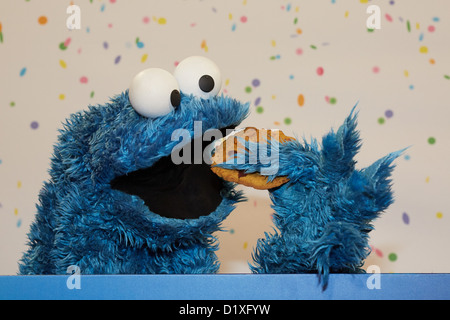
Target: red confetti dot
{"points": [[243, 19], [84, 79], [320, 71], [431, 28], [376, 69]]}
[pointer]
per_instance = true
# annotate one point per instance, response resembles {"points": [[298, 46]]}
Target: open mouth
{"points": [[181, 191]]}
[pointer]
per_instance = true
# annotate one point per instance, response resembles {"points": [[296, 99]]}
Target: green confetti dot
{"points": [[62, 46], [259, 109], [431, 140], [392, 257], [313, 47], [248, 89], [287, 121], [333, 100], [12, 103], [381, 120], [92, 94], [370, 30], [447, 77]]}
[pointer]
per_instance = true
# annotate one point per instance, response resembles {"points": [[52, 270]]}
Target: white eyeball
{"points": [[198, 76], [154, 92]]}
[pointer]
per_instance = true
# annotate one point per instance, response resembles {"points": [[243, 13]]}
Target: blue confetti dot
{"points": [[23, 72]]}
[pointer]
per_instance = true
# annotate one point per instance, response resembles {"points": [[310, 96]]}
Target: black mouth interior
{"points": [[181, 191]]}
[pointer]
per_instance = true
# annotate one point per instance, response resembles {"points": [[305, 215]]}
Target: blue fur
{"points": [[82, 221], [324, 213]]}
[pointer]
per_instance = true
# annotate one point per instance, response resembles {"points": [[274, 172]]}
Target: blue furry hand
{"points": [[323, 214]]}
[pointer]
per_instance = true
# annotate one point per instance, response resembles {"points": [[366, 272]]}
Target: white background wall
{"points": [[396, 73]]}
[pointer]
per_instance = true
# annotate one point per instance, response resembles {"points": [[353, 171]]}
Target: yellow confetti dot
{"points": [[274, 97], [406, 73], [62, 96], [245, 245], [364, 1], [19, 184], [423, 49], [144, 57], [16, 211], [427, 179], [439, 215], [63, 64], [227, 82], [162, 20], [274, 43], [346, 14], [417, 26], [230, 16]]}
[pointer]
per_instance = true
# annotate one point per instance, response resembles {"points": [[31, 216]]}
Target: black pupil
{"points": [[175, 98], [206, 83]]}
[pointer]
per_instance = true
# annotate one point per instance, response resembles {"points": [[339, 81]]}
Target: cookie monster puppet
{"points": [[117, 203]]}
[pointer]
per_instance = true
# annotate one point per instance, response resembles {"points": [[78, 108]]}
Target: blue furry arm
{"points": [[323, 214]]}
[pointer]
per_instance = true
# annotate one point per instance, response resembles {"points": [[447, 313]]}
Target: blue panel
{"points": [[228, 287]]}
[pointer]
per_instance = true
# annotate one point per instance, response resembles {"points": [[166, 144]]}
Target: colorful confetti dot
{"points": [[259, 109], [146, 20], [248, 89], [34, 125], [162, 21], [376, 69], [256, 82], [83, 79], [61, 96], [381, 120], [392, 257], [63, 64], [243, 19], [42, 20], [388, 113], [299, 51], [117, 59], [23, 71], [423, 49], [405, 218], [439, 215], [319, 71], [287, 121], [333, 100], [144, 57], [301, 100], [431, 140]]}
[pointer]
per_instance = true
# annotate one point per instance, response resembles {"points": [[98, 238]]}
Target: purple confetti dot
{"points": [[117, 60], [256, 83], [405, 218], [389, 113], [34, 125], [105, 45], [257, 101]]}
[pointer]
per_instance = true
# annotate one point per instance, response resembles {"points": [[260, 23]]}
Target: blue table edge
{"points": [[370, 286]]}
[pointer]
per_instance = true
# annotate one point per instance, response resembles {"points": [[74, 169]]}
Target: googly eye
{"points": [[198, 76], [154, 92]]}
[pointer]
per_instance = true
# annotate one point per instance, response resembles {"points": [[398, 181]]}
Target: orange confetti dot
{"points": [[42, 20], [432, 61], [0, 27], [301, 100], [299, 31]]}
